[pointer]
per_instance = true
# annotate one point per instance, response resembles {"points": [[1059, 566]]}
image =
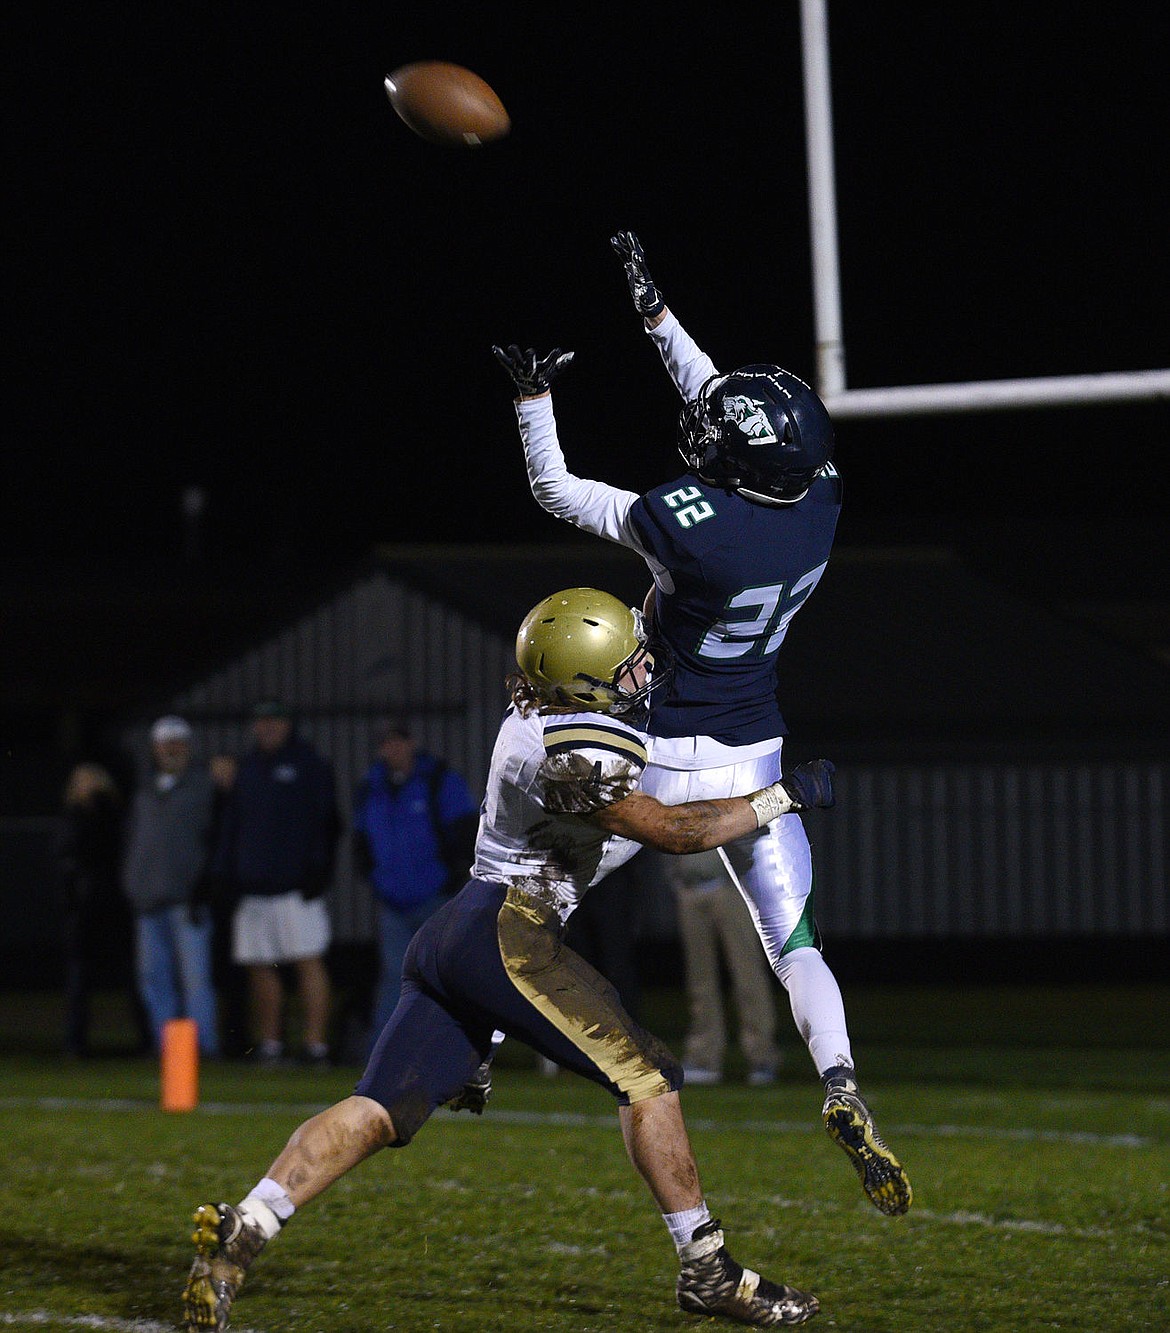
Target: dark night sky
{"points": [[238, 269]]}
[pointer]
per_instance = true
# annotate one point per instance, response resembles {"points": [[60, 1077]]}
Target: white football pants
{"points": [[772, 868]]}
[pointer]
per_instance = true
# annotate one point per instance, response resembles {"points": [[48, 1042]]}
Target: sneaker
{"points": [[849, 1123], [699, 1077], [710, 1282], [225, 1246], [762, 1076]]}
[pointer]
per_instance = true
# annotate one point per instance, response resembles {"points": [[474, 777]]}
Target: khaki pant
{"points": [[713, 918]]}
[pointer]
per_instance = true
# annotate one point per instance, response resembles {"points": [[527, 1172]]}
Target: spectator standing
{"points": [[87, 854], [165, 879], [414, 822], [713, 920], [277, 841]]}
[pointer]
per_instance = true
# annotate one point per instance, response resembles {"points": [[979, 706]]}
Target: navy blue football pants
{"points": [[494, 957]]}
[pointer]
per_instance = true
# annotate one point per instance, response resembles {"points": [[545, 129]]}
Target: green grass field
{"points": [[1035, 1125]]}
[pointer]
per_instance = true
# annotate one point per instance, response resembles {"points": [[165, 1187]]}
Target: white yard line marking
{"points": [[104, 1323], [573, 1120], [959, 1217], [825, 1207], [963, 1218]]}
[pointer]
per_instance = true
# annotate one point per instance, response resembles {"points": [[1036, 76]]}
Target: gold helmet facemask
{"points": [[576, 646]]}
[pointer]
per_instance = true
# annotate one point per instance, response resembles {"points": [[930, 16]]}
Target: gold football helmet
{"points": [[575, 646]]}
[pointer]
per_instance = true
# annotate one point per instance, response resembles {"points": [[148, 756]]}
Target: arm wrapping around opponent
{"points": [[697, 826]]}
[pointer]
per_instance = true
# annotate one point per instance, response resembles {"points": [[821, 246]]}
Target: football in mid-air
{"points": [[447, 104]]}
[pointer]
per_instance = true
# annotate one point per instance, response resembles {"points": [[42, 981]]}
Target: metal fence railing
{"points": [[995, 850]]}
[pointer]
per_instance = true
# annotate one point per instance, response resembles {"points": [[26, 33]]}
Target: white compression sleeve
{"points": [[817, 1007]]}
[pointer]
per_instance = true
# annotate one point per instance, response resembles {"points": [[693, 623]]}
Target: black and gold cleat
{"points": [[225, 1245], [849, 1123], [710, 1282]]}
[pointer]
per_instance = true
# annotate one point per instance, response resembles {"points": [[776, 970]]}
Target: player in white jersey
{"points": [[563, 808], [735, 546]]}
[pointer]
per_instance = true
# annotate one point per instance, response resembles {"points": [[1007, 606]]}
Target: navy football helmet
{"points": [[760, 431]]}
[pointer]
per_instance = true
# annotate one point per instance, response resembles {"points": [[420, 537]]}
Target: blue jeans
{"points": [[174, 973], [396, 928]]}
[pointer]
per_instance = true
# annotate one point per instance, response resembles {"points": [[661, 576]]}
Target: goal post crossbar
{"points": [[993, 395]]}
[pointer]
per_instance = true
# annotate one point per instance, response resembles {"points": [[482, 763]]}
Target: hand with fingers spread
{"points": [[646, 296], [531, 374]]}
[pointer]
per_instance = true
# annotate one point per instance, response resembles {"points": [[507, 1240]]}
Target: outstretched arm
{"points": [[688, 366], [592, 506], [647, 298]]}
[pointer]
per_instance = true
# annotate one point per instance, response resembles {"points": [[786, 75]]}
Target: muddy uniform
{"points": [[494, 957]]}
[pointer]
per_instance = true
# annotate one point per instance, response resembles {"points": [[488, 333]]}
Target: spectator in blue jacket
{"points": [[165, 878], [414, 840], [277, 842]]}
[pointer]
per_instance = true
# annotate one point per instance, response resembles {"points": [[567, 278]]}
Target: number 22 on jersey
{"points": [[686, 512], [756, 619]]}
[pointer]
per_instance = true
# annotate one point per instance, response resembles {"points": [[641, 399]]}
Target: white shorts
{"points": [[691, 752], [282, 929], [673, 782]]}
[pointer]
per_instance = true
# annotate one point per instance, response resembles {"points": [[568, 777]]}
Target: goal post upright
{"points": [[911, 399]]}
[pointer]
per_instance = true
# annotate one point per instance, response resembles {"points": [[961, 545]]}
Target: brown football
{"points": [[447, 104]]}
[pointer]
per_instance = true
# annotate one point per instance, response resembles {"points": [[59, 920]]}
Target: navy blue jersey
{"points": [[741, 570]]}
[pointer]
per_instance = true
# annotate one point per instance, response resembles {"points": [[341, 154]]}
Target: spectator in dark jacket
{"points": [[165, 877], [94, 918], [275, 855], [413, 820]]}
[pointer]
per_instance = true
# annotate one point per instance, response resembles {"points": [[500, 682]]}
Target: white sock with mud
{"points": [[683, 1225], [267, 1207]]}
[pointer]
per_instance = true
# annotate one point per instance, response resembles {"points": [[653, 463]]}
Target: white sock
{"points": [[268, 1207], [683, 1225]]}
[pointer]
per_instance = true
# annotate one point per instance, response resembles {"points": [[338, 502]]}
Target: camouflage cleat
{"points": [[710, 1282], [849, 1123], [225, 1245]]}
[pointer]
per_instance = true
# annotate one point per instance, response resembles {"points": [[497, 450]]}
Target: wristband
{"points": [[770, 803]]}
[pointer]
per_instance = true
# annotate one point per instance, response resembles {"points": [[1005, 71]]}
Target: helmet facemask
{"points": [[625, 700]]}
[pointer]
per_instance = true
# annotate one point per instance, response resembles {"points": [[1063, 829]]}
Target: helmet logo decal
{"points": [[748, 415]]}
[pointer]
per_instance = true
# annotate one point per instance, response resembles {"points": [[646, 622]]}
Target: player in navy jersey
{"points": [[735, 545], [563, 808]]}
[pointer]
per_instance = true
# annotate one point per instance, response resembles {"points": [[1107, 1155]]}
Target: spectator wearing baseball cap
{"points": [[165, 878]]}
